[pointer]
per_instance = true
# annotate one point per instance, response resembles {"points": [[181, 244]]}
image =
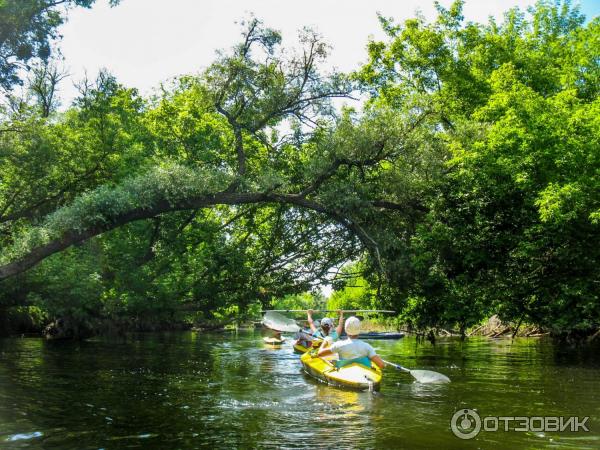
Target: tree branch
{"points": [[71, 237]]}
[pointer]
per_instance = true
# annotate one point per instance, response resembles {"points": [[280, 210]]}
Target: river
{"points": [[227, 390]]}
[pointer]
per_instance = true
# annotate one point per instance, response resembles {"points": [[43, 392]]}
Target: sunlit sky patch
{"points": [[145, 42]]}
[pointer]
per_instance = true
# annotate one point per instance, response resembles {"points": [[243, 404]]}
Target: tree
{"points": [[28, 29], [44, 85], [508, 223], [253, 97], [46, 164], [469, 178]]}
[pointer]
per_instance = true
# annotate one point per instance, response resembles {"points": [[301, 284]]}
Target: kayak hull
{"points": [[378, 335], [353, 376], [299, 348]]}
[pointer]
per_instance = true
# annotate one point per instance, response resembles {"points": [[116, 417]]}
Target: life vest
{"points": [[363, 361], [319, 335]]}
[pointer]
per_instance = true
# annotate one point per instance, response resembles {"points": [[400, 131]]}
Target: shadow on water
{"points": [[188, 390]]}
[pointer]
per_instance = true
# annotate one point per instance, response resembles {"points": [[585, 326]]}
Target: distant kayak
{"points": [[353, 375], [273, 341], [384, 335], [378, 335]]}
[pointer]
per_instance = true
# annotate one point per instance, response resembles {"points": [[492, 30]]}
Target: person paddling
{"points": [[352, 349], [326, 331]]}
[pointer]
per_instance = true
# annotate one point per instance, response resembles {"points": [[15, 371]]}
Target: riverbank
{"points": [[496, 328], [31, 321]]}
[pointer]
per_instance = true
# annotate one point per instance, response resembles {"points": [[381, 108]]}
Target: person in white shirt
{"points": [[352, 348]]}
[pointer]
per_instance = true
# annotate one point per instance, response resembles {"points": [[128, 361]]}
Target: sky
{"points": [[145, 42]]}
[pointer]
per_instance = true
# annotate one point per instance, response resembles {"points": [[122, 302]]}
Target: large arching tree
{"points": [[470, 177], [279, 142]]}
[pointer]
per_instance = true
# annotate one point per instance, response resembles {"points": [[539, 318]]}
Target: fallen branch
{"points": [[500, 333]]}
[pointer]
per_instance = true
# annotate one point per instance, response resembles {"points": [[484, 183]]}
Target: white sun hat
{"points": [[327, 321], [352, 326]]}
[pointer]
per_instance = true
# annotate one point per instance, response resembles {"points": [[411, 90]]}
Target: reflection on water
{"points": [[184, 390]]}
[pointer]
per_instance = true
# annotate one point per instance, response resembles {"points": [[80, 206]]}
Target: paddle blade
{"points": [[429, 376], [279, 322]]}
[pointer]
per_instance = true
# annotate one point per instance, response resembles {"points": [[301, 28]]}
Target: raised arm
{"points": [[311, 323], [340, 326]]}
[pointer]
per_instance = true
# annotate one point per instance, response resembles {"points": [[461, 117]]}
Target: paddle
{"points": [[422, 376], [278, 322]]}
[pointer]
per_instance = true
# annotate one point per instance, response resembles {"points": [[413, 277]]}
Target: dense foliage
{"points": [[467, 186], [512, 227]]}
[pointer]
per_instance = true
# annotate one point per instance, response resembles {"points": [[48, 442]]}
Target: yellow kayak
{"points": [[316, 343], [353, 375]]}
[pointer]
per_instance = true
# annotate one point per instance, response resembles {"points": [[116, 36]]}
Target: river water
{"points": [[186, 390]]}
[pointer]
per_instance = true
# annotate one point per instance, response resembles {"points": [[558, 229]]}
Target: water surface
{"points": [[187, 390]]}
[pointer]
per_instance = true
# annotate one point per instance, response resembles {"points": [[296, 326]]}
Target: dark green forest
{"points": [[465, 184]]}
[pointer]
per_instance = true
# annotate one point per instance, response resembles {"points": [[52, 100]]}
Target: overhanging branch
{"points": [[71, 237]]}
